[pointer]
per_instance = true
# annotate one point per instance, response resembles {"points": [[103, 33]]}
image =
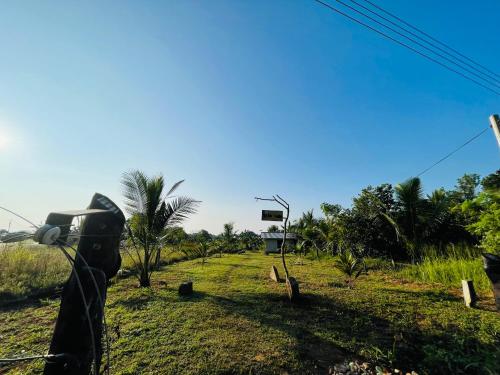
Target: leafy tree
{"points": [[373, 232], [274, 229], [175, 235], [202, 236], [483, 213], [466, 187], [152, 212], [250, 240], [492, 181], [228, 238]]}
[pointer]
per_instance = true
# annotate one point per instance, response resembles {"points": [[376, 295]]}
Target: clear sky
{"points": [[239, 98]]}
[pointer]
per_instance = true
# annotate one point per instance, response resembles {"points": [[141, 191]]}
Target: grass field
{"points": [[239, 321]]}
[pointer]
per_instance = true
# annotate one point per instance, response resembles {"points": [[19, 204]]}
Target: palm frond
{"points": [[134, 184], [178, 209], [174, 187]]}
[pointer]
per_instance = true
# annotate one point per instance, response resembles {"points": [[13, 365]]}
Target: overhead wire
{"points": [[429, 36], [428, 42], [418, 43], [331, 7], [454, 151]]}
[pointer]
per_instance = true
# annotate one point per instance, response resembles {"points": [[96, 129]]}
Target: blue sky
{"points": [[240, 98]]}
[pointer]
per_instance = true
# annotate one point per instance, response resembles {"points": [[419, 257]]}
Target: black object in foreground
{"points": [[492, 268], [186, 288], [97, 260]]}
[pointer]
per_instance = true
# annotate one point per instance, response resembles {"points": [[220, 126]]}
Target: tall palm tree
{"points": [[151, 211], [413, 213]]}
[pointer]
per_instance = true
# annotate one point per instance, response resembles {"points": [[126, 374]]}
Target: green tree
{"points": [[152, 212], [274, 229], [466, 187], [492, 181], [228, 237], [250, 240], [483, 213]]}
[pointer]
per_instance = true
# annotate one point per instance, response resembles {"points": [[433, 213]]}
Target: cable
{"points": [[454, 151], [406, 46], [428, 36], [418, 43], [426, 41], [19, 216]]}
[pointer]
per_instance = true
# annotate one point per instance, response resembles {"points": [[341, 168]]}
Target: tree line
{"points": [[399, 222]]}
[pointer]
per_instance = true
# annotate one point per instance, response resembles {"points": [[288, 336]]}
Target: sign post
{"points": [[269, 215]]}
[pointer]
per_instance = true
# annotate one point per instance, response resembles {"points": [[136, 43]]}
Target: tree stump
{"points": [[470, 296], [491, 264], [186, 288], [274, 275], [292, 287]]}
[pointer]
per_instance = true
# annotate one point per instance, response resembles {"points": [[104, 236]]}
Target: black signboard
{"points": [[269, 215]]}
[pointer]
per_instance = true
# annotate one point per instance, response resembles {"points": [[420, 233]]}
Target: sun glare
{"points": [[4, 140]]}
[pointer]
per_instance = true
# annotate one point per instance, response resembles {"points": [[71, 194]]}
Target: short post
{"points": [[274, 275], [186, 288], [470, 296]]}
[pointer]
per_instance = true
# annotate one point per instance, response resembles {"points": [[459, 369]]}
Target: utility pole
{"points": [[495, 125]]}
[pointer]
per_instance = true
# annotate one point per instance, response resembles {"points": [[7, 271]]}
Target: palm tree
{"points": [[150, 215], [413, 213], [228, 237]]}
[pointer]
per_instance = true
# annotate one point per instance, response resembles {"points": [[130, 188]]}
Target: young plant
{"points": [[152, 211], [350, 266]]}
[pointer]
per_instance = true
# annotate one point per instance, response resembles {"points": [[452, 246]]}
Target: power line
{"points": [[429, 36], [418, 44], [454, 151], [428, 42], [406, 46]]}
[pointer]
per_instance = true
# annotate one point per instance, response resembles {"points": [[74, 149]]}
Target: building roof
{"points": [[277, 236]]}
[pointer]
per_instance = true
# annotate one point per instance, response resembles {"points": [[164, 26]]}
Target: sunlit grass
{"points": [[449, 272], [238, 321]]}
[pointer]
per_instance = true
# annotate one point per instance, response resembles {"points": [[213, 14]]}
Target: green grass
{"points": [[239, 322], [449, 272], [28, 269]]}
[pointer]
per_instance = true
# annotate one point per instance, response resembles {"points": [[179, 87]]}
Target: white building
{"points": [[273, 241]]}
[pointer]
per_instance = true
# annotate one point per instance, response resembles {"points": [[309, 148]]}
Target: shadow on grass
{"points": [[429, 295], [325, 332]]}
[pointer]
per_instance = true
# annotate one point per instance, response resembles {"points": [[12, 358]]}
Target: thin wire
{"points": [[454, 151], [418, 43], [71, 261], [19, 216], [406, 46], [429, 36], [426, 41]]}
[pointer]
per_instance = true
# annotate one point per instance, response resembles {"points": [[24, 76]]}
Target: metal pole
{"points": [[495, 125]]}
